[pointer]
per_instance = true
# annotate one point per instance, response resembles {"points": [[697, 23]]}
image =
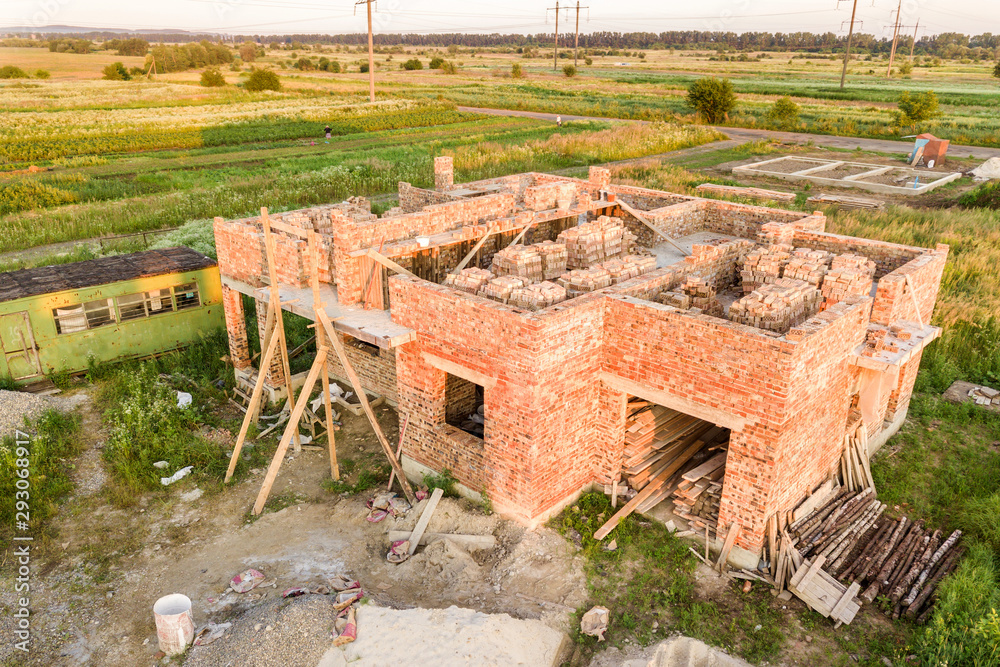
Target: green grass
{"points": [[52, 444], [358, 476]]}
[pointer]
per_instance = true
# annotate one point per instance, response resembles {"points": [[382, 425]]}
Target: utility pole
{"points": [[913, 47], [895, 38], [847, 52], [555, 50], [371, 49], [576, 42]]}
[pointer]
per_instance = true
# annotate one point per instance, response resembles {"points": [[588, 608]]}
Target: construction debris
{"points": [[984, 396], [847, 203], [595, 622]]}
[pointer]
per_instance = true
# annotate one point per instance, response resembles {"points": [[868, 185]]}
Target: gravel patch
{"points": [[15, 406]]}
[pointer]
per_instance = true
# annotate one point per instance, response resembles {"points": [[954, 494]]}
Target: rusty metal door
{"points": [[19, 346]]}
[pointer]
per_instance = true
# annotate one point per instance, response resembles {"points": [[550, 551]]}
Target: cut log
{"points": [[947, 566], [925, 571]]}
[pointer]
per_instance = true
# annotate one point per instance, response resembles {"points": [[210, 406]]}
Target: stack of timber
{"points": [[662, 445], [860, 550], [855, 466], [748, 193], [699, 492], [844, 202]]}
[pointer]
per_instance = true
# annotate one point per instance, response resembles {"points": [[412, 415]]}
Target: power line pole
{"points": [[895, 38], [847, 52], [371, 49], [555, 50], [576, 42], [913, 47]]}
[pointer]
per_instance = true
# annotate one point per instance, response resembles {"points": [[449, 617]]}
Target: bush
{"points": [[413, 64], [712, 98], [588, 61], [364, 68], [915, 109], [785, 112], [304, 65], [12, 72], [437, 62], [331, 66], [25, 195], [262, 79], [516, 71], [42, 74], [116, 72], [449, 68], [996, 70], [248, 52], [569, 71], [906, 69], [212, 78]]}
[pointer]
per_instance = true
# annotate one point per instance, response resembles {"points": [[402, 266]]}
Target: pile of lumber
{"points": [[855, 466], [579, 281], [553, 259], [698, 494], [747, 193], [594, 242], [518, 260], [538, 296], [849, 275], [808, 265], [469, 280], [763, 265], [845, 202], [778, 306]]}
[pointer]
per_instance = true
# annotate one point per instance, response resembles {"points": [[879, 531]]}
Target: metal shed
{"points": [[58, 318]]}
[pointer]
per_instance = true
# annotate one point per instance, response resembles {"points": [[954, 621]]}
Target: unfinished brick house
{"points": [[527, 370]]}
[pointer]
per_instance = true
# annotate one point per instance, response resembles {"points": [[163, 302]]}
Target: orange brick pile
{"points": [[877, 341], [808, 265], [717, 260], [763, 266], [630, 266], [849, 275], [594, 242], [469, 280], [584, 280], [777, 306], [518, 260], [538, 296], [553, 259], [703, 295], [501, 289]]}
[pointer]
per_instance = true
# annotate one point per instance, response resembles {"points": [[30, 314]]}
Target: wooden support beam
{"points": [[388, 263], [399, 452], [475, 249], [727, 546], [279, 322], [338, 346], [313, 248], [258, 391], [638, 216], [913, 298], [425, 518], [291, 430], [289, 229]]}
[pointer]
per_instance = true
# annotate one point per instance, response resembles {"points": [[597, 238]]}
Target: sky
{"points": [[270, 17]]}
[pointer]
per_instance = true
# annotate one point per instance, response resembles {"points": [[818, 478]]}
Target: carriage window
{"points": [[131, 307], [99, 313], [159, 301], [186, 296], [70, 319]]}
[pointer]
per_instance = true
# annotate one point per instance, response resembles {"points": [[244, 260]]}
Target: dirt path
{"points": [[744, 135]]}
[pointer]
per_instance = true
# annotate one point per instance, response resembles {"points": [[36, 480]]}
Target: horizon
{"points": [[287, 17]]}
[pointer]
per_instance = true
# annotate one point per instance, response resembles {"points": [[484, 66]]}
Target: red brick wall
{"points": [[893, 301], [236, 327], [375, 370]]}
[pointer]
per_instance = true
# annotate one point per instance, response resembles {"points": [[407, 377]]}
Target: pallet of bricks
{"points": [[696, 292], [469, 280], [662, 446], [595, 242], [778, 306], [763, 265], [849, 275], [838, 550]]}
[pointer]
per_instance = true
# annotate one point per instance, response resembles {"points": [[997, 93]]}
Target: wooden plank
{"points": [[399, 452], [331, 440], [842, 604], [289, 229], [363, 397], [816, 499], [727, 546], [425, 518], [286, 438], [388, 263], [705, 468], [475, 249], [474, 542], [811, 572], [650, 489], [638, 216]]}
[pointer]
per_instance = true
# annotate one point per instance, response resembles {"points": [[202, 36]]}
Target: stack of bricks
{"points": [[763, 266], [717, 259], [808, 265], [777, 306], [584, 280], [469, 280], [675, 298], [518, 260], [538, 296], [627, 267], [594, 242], [849, 275], [703, 296], [553, 259], [877, 341], [501, 289]]}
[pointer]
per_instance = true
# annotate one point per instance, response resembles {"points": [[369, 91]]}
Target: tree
{"points": [[588, 61], [996, 70], [116, 72], [436, 62], [516, 71], [363, 68], [412, 64], [248, 52], [712, 98], [569, 71], [212, 78], [916, 109], [304, 64], [133, 47], [262, 79], [453, 49], [785, 112]]}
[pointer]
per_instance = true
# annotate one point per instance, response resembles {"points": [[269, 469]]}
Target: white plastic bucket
{"points": [[174, 623]]}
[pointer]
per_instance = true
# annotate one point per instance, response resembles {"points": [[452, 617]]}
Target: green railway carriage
{"points": [[57, 318]]}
